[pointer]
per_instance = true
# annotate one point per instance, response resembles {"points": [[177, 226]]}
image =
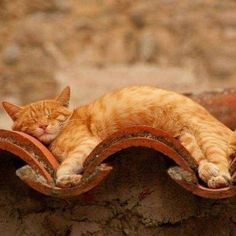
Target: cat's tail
{"points": [[233, 138], [233, 143]]}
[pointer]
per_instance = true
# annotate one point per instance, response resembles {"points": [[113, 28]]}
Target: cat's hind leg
{"points": [[189, 141], [211, 156], [214, 170], [69, 172]]}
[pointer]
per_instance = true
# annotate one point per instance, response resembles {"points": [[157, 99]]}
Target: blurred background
{"points": [[95, 46]]}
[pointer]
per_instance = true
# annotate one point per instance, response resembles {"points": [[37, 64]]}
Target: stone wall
{"points": [[138, 198], [98, 41]]}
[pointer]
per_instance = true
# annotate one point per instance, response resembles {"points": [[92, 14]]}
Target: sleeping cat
{"points": [[72, 135]]}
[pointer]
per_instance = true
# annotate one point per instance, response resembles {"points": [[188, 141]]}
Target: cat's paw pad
{"points": [[219, 181], [67, 181], [213, 176]]}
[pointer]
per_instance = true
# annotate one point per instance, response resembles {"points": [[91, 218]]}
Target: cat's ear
{"points": [[64, 97], [12, 110]]}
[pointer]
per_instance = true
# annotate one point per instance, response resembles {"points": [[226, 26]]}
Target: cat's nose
{"points": [[43, 126]]}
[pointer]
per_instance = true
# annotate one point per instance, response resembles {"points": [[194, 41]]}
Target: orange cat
{"points": [[71, 136]]}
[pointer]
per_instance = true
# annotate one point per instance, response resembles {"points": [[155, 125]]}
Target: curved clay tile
{"points": [[41, 164]]}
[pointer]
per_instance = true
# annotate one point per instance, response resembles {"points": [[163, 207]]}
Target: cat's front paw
{"points": [[67, 181], [213, 176]]}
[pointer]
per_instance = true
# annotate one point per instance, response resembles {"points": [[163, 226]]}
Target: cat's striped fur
{"points": [[71, 136]]}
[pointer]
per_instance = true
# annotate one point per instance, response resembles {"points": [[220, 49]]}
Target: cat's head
{"points": [[43, 119]]}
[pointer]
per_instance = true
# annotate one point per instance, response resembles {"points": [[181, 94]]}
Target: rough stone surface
{"points": [[138, 198]]}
